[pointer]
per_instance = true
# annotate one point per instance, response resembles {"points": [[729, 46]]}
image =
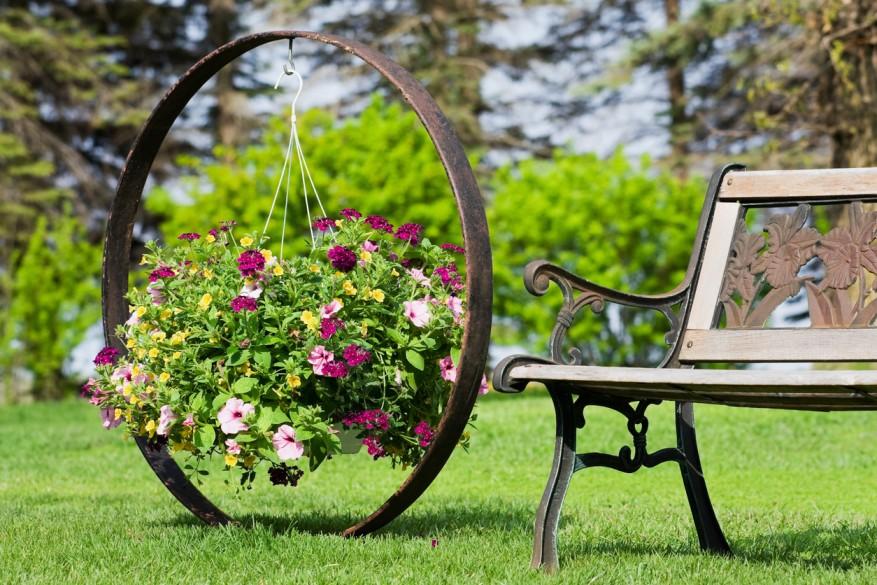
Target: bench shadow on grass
{"points": [[447, 519], [825, 547]]}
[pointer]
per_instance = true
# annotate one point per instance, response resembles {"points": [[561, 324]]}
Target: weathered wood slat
{"points": [[790, 381], [797, 185], [779, 345], [712, 272]]}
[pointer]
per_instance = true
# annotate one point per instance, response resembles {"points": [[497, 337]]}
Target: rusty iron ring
{"points": [[117, 251]]}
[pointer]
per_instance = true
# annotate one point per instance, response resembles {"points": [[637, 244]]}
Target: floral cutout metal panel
{"points": [[815, 261]]}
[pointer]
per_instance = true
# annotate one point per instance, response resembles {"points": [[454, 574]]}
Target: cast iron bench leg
{"points": [[709, 532], [548, 515]]}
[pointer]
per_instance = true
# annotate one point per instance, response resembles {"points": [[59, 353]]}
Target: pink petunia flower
{"points": [[369, 246], [156, 293], [121, 373], [108, 416], [232, 447], [418, 275], [253, 290], [232, 415], [330, 309], [448, 369], [455, 304], [418, 312], [189, 422], [484, 388], [166, 419], [319, 358], [286, 445]]}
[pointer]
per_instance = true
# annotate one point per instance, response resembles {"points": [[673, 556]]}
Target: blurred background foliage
{"points": [[534, 89]]}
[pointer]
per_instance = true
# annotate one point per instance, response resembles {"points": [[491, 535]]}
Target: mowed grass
{"points": [[795, 493]]}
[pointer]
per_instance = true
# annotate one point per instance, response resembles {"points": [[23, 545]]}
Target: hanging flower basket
{"points": [[376, 339], [264, 361]]}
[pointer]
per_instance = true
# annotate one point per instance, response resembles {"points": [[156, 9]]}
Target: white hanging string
{"points": [[294, 150]]}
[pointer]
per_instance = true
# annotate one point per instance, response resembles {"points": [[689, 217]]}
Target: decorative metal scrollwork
{"points": [[763, 272], [579, 293], [627, 460]]}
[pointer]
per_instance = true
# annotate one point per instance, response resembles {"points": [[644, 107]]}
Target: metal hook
{"points": [[289, 66]]}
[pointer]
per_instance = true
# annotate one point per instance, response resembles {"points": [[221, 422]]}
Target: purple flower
{"points": [[375, 449], [213, 232], [108, 416], [329, 326], [342, 258], [380, 223], [368, 419], [355, 355], [106, 357], [242, 303], [424, 432], [156, 293], [250, 262], [448, 369], [161, 272], [409, 232], [449, 276], [335, 370], [369, 246], [453, 248], [350, 214], [227, 225], [323, 224], [189, 236]]}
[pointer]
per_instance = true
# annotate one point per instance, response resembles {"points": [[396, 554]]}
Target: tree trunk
{"points": [[675, 76], [229, 115]]}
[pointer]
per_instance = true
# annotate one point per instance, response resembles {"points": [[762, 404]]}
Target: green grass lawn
{"points": [[794, 491]]}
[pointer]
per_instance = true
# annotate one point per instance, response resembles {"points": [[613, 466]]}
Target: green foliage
{"points": [[610, 221], [381, 162], [54, 300]]}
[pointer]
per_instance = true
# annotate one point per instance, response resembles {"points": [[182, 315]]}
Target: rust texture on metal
{"points": [[117, 251], [765, 269]]}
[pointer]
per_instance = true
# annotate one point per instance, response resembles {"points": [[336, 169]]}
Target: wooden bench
{"points": [[721, 313]]}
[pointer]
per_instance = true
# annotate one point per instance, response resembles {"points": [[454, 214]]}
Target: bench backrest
{"points": [[743, 275]]}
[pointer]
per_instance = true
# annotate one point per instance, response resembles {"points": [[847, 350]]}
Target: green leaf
{"points": [[263, 360], [238, 357], [220, 400], [204, 437], [244, 385], [396, 336], [415, 359]]}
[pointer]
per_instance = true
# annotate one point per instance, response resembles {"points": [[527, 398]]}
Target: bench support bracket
{"points": [[569, 417]]}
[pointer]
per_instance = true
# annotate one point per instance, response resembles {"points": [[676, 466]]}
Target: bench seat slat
{"points": [[804, 389], [797, 185]]}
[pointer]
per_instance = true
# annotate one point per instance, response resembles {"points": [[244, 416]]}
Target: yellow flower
{"points": [[135, 370], [141, 353], [267, 255], [348, 287], [363, 329], [277, 270], [246, 370], [176, 355], [246, 241], [314, 268], [365, 255], [134, 400], [309, 319], [338, 223], [231, 460], [377, 295], [205, 301], [140, 311], [293, 381], [207, 273], [166, 314], [117, 414], [210, 238], [131, 343], [143, 327], [153, 353], [179, 337], [143, 260], [126, 389], [339, 275], [394, 273], [164, 377], [158, 335]]}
